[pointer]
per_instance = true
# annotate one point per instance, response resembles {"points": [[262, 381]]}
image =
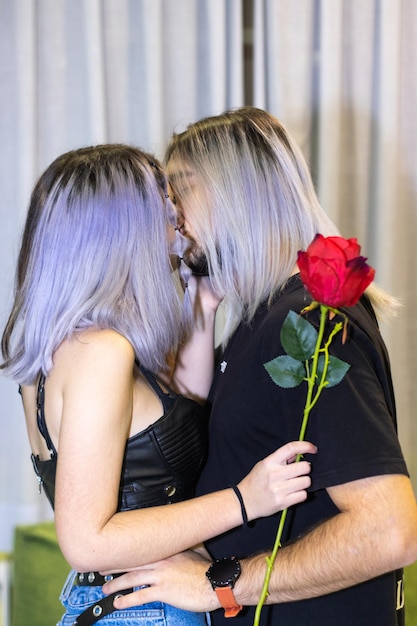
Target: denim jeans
{"points": [[77, 598]]}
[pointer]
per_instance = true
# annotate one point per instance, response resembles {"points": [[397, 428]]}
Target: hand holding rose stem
{"points": [[335, 275]]}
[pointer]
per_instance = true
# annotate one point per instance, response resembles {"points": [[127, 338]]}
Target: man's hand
{"points": [[179, 580]]}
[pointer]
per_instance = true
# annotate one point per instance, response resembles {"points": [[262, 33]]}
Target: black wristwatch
{"points": [[223, 574]]}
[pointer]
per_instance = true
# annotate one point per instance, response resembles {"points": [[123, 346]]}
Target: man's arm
{"points": [[375, 532]]}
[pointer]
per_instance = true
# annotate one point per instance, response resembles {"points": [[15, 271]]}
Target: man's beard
{"points": [[196, 260]]}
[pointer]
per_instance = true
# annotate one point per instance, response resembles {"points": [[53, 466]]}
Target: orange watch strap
{"points": [[228, 601]]}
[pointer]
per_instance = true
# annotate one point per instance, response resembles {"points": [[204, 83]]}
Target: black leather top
{"points": [[161, 464]]}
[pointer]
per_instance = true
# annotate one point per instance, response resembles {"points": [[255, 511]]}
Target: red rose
{"points": [[333, 271]]}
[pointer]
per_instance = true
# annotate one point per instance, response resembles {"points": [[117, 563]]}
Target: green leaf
{"points": [[286, 371], [335, 371], [298, 337]]}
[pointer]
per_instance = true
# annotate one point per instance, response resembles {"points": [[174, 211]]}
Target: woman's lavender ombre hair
{"points": [[94, 253]]}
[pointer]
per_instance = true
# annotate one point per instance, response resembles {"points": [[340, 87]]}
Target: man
{"points": [[247, 200]]}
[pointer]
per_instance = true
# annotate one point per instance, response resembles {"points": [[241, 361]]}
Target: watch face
{"points": [[224, 572]]}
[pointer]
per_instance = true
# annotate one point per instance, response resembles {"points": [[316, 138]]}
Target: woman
{"points": [[96, 316]]}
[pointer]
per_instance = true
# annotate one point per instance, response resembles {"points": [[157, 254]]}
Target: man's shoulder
{"points": [[292, 297]]}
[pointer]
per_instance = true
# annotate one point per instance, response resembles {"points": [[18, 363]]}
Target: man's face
{"points": [[194, 255], [196, 259]]}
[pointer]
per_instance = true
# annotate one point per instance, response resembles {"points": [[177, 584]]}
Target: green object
{"points": [[410, 591], [39, 573]]}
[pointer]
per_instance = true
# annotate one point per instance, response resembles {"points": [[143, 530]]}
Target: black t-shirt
{"points": [[353, 425]]}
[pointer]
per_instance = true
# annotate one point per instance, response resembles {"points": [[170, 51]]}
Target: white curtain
{"points": [[339, 73]]}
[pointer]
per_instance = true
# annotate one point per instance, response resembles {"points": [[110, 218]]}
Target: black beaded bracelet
{"points": [[242, 504]]}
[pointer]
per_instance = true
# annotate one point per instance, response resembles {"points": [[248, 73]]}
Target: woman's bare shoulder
{"points": [[95, 345]]}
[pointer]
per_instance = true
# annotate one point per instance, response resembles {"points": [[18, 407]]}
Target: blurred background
{"points": [[340, 74]]}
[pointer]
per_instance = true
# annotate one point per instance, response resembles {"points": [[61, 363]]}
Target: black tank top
{"points": [[161, 463]]}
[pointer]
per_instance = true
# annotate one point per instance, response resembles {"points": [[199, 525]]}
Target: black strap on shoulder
{"points": [[158, 386], [40, 404]]}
